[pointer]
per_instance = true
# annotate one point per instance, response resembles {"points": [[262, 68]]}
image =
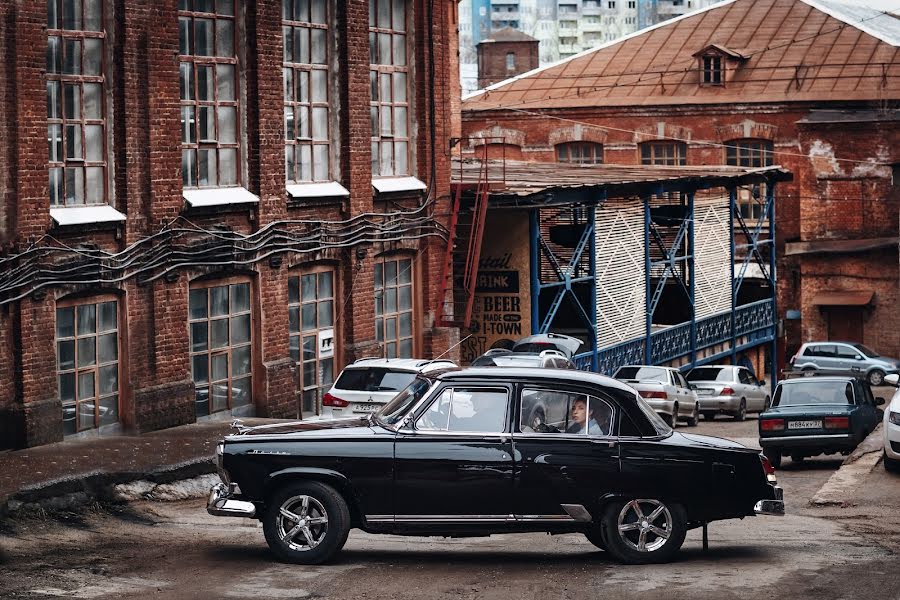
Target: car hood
{"points": [[706, 441], [293, 427]]}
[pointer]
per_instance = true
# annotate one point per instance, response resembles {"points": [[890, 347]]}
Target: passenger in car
{"points": [[583, 422]]}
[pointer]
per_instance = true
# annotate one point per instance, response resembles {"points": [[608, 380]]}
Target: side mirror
{"points": [[879, 401], [761, 383], [893, 380]]}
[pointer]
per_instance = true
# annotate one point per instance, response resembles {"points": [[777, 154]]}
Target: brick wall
{"points": [[492, 65], [144, 120]]}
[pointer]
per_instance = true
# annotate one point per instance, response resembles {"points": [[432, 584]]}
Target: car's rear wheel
{"points": [[774, 456], [595, 536], [876, 377], [669, 419], [741, 413], [891, 465], [644, 530], [306, 523], [695, 416], [797, 458]]}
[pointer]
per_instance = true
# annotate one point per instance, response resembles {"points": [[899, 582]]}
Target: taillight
{"points": [[649, 394], [836, 423], [329, 400], [727, 392], [768, 469], [771, 425]]}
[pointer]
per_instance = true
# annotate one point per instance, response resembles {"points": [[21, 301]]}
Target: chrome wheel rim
{"points": [[876, 378], [302, 523], [645, 525]]}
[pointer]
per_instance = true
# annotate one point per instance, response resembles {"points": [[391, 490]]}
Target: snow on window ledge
{"points": [[218, 196], [329, 189], [385, 185], [83, 215]]}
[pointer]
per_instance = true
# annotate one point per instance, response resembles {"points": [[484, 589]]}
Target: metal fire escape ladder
{"points": [[460, 271]]}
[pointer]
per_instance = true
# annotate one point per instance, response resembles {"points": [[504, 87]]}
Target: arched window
{"points": [[753, 154], [584, 153]]}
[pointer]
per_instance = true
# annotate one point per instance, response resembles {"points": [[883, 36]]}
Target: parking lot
{"points": [[174, 550]]}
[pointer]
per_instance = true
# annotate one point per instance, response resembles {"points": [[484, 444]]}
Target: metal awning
{"points": [[848, 298]]}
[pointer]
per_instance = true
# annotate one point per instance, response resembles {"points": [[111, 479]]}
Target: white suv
{"points": [[369, 383]]}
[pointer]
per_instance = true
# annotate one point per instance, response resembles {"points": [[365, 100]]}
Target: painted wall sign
{"points": [[502, 308]]}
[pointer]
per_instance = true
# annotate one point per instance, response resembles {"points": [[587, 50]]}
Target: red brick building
{"points": [[746, 83], [207, 208], [507, 52]]}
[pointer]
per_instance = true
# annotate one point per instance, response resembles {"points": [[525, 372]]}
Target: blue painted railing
{"points": [[755, 320]]}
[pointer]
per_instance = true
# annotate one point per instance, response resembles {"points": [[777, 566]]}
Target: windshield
{"points": [[867, 351], [373, 379], [710, 374], [643, 374], [655, 420], [394, 411], [813, 392]]}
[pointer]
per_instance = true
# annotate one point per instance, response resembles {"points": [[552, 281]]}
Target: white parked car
{"points": [[665, 390], [728, 389], [369, 383], [892, 429]]}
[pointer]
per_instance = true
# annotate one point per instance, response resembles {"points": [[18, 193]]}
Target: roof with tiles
{"points": [[796, 50]]}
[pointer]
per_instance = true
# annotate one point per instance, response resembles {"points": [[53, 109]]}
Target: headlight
{"points": [[894, 418]]}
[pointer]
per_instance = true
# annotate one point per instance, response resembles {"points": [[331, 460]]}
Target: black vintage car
{"points": [[451, 456]]}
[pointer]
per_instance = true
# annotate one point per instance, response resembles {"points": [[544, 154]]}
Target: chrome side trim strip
{"points": [[469, 519]]}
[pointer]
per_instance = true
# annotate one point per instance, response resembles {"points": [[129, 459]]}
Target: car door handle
{"points": [[607, 443]]}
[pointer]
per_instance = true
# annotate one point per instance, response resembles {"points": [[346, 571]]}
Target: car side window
{"points": [[827, 351], [467, 409], [546, 411], [679, 379], [744, 377], [846, 352]]}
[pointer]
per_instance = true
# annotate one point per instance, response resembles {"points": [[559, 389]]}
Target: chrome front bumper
{"points": [[221, 503], [774, 508]]}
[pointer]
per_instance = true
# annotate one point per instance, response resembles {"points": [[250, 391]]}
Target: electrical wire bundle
{"points": [[182, 244]]}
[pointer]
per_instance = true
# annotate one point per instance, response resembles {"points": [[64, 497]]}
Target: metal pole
{"points": [[732, 201], [691, 275], [592, 265], [648, 319], [770, 202], [535, 235]]}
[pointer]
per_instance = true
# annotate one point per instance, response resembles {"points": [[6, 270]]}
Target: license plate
{"points": [[804, 425], [704, 392], [366, 408]]}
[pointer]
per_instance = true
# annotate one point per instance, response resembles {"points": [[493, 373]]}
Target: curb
{"points": [[858, 464], [83, 488]]}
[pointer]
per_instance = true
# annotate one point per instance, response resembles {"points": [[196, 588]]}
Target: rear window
{"points": [[643, 374], [536, 347], [710, 374], [814, 392], [374, 379]]}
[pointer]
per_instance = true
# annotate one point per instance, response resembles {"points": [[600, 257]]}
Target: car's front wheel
{"points": [[876, 377], [695, 416], [306, 523], [644, 530], [741, 413], [891, 465]]}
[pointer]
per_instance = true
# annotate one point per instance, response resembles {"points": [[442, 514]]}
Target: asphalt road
{"points": [[175, 550]]}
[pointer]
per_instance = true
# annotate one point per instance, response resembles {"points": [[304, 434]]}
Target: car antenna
{"points": [[448, 349]]}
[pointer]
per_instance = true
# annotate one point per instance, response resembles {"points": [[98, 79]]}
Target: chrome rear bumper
{"points": [[221, 504], [774, 507]]}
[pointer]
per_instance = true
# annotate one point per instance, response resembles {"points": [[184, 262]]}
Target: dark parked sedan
{"points": [[817, 415], [453, 456]]}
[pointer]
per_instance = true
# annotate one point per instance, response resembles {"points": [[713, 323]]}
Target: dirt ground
{"points": [[176, 550]]}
